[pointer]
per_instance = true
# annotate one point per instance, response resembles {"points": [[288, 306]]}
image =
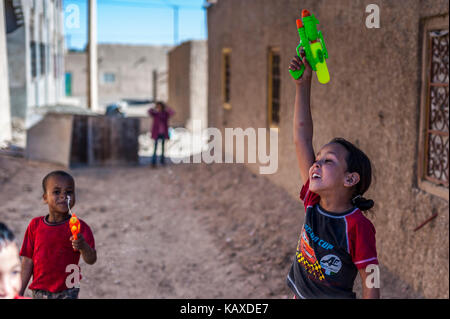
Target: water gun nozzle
{"points": [[305, 13]]}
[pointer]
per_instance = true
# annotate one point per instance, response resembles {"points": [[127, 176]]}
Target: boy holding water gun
{"points": [[49, 246], [337, 241]]}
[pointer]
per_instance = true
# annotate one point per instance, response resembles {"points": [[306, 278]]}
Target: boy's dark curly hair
{"points": [[6, 235], [358, 162], [55, 173]]}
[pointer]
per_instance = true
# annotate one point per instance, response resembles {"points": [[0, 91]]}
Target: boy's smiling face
{"points": [[329, 171], [10, 280], [58, 188]]}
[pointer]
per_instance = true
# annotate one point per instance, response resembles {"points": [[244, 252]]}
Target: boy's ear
{"points": [[351, 179], [44, 197]]}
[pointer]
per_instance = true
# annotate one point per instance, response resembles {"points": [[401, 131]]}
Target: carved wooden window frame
{"points": [[425, 182]]}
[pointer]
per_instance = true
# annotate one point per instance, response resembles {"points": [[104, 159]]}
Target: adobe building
{"points": [[188, 83], [35, 50], [31, 64], [5, 112], [384, 95], [124, 71]]}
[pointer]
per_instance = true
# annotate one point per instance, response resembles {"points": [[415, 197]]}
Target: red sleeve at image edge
{"points": [[28, 240], [362, 243]]}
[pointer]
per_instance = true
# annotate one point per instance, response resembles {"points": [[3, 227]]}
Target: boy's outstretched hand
{"points": [[89, 255], [296, 64], [80, 243]]}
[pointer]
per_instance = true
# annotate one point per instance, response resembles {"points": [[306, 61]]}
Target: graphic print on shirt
{"points": [[307, 258], [331, 263]]}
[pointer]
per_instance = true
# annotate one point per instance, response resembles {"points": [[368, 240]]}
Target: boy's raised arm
{"points": [[303, 125]]}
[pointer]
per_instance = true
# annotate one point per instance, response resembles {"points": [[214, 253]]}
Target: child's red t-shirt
{"points": [[50, 248]]}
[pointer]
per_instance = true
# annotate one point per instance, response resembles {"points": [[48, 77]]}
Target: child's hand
{"points": [[78, 244], [87, 252], [296, 64]]}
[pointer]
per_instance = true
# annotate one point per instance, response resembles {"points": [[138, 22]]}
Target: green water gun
{"points": [[312, 42]]}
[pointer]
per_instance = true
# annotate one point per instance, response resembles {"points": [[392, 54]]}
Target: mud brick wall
{"points": [[179, 83]]}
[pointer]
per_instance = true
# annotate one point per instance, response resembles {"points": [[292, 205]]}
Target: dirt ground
{"points": [[179, 231]]}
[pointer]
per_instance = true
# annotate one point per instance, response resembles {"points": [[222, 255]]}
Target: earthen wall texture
{"points": [[199, 82], [373, 100], [179, 87], [188, 83], [132, 66]]}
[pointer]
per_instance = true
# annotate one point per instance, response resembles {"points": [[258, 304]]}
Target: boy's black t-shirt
{"points": [[331, 249]]}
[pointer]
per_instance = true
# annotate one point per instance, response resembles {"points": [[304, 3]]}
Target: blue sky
{"points": [[149, 22]]}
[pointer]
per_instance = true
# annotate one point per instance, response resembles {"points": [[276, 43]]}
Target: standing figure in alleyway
{"points": [[160, 128], [337, 241]]}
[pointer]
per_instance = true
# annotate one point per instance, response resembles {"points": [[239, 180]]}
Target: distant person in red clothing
{"points": [[10, 281], [49, 251], [160, 127]]}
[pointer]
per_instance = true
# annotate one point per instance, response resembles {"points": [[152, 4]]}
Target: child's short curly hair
{"points": [[6, 236], [53, 174]]}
